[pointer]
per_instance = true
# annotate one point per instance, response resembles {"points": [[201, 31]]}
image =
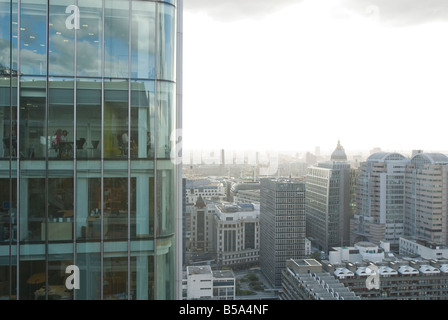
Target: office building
{"points": [[380, 199], [237, 234], [90, 94], [202, 226], [282, 226], [426, 198], [327, 201]]}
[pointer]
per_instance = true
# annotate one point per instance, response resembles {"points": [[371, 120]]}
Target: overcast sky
{"points": [[291, 75]]}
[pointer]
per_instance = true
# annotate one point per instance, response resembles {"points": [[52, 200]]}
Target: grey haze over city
{"points": [[293, 75]]}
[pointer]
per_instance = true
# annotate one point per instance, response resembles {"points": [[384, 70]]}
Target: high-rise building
{"points": [[380, 199], [327, 201], [426, 198], [282, 226], [90, 94]]}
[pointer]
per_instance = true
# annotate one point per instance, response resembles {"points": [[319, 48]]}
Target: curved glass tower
{"points": [[87, 177]]}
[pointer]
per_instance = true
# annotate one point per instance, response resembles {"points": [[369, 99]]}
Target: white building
{"points": [[424, 249], [360, 251], [201, 283]]}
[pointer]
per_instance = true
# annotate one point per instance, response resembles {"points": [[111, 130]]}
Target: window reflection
{"points": [[5, 43], [61, 40], [33, 37], [166, 45], [116, 38], [143, 40], [142, 118], [89, 37]]}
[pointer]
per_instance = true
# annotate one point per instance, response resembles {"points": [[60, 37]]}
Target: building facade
{"points": [[202, 226], [89, 172], [203, 283], [282, 226], [328, 210], [380, 199], [237, 234], [426, 206]]}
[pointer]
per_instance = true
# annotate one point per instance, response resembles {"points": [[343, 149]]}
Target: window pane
{"points": [[166, 45], [88, 59], [33, 37], [116, 39], [116, 135], [5, 43], [143, 40], [88, 119], [32, 118], [142, 118], [60, 123], [61, 39], [165, 118]]}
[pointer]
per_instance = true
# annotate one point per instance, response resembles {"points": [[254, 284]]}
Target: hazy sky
{"points": [[292, 75]]}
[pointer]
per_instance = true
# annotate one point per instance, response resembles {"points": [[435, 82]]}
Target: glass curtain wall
{"points": [[87, 108]]}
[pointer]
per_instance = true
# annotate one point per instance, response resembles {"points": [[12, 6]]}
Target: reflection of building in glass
{"points": [[104, 195], [380, 199], [282, 225], [328, 201]]}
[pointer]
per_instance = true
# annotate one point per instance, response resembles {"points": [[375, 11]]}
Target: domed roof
{"points": [[339, 153]]}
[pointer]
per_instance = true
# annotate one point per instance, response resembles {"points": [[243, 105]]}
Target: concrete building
{"points": [[422, 248], [403, 279], [237, 234], [282, 226], [359, 252], [206, 188], [305, 279], [380, 200], [426, 206], [203, 283], [202, 227], [328, 196]]}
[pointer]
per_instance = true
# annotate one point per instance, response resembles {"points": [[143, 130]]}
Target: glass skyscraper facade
{"points": [[88, 108]]}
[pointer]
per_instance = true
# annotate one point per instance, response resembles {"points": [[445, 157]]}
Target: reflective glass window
{"points": [[5, 34], [88, 118], [117, 138], [143, 41], [165, 118], [62, 37], [142, 118], [33, 37], [32, 125], [89, 38], [61, 140], [116, 39], [166, 38]]}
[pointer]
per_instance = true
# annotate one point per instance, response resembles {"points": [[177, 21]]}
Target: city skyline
{"points": [[293, 75]]}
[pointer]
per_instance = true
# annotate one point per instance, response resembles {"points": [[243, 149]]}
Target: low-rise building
{"points": [[203, 283], [422, 248]]}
